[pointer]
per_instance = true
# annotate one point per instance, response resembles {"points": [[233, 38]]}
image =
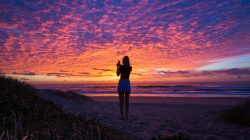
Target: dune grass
{"points": [[24, 115], [239, 114]]}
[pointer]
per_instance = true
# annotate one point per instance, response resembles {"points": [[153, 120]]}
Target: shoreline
{"points": [[169, 95], [175, 100]]}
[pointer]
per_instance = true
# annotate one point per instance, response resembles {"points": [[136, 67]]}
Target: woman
{"points": [[124, 84]]}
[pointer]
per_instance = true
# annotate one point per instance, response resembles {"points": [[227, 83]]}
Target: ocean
{"points": [[194, 90]]}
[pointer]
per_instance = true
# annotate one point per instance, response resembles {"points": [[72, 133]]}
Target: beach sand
{"points": [[153, 116]]}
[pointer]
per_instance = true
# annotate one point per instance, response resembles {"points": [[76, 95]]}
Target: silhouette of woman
{"points": [[124, 84]]}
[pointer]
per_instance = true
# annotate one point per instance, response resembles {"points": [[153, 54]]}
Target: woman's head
{"points": [[125, 61]]}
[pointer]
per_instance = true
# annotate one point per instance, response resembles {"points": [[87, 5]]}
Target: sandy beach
{"points": [[153, 116]]}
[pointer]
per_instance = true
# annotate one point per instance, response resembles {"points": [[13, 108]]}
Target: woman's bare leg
{"points": [[126, 105], [121, 97]]}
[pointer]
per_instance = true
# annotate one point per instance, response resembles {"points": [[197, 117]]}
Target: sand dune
{"points": [[195, 117]]}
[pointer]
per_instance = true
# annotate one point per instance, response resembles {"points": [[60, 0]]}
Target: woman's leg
{"points": [[121, 97], [126, 104]]}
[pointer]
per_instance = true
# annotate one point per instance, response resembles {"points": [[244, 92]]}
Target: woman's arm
{"points": [[118, 70]]}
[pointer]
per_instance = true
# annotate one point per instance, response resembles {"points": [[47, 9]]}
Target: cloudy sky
{"points": [[166, 40]]}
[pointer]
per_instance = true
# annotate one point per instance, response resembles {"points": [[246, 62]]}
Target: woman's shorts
{"points": [[124, 86]]}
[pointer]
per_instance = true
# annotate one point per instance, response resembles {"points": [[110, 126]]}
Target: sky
{"points": [[52, 41]]}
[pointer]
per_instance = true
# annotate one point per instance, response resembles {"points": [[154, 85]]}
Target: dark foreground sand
{"points": [[152, 116]]}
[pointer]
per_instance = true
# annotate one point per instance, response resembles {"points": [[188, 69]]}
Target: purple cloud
{"points": [[192, 73]]}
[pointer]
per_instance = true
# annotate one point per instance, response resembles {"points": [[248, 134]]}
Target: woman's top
{"points": [[125, 71]]}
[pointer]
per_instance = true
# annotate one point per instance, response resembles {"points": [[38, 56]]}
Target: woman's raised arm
{"points": [[118, 66], [118, 71]]}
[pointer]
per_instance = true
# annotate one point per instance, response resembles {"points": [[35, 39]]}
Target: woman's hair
{"points": [[125, 61]]}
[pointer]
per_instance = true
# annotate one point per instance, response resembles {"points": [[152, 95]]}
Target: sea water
{"points": [[194, 90]]}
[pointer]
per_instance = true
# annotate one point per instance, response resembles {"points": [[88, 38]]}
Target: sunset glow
{"points": [[167, 41]]}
